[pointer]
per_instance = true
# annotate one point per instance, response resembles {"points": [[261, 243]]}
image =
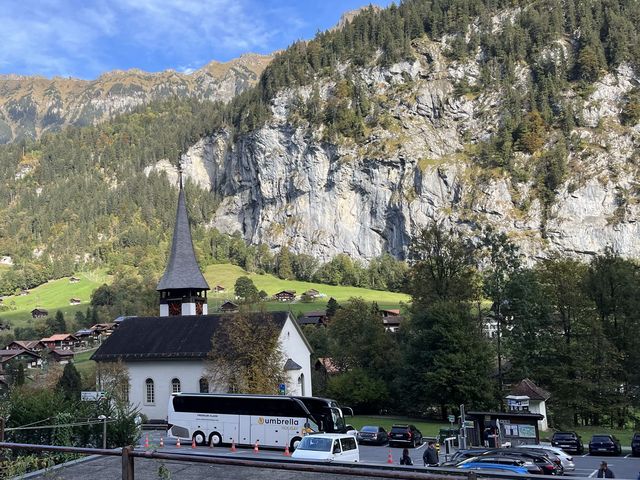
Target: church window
{"points": [[150, 394], [175, 386], [199, 308], [204, 385]]}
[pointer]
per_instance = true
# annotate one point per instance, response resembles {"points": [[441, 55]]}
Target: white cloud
{"points": [[87, 37]]}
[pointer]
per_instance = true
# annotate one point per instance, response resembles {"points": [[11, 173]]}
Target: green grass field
{"points": [[52, 296], [226, 276]]}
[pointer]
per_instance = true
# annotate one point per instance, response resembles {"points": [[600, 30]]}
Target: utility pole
{"points": [[463, 429]]}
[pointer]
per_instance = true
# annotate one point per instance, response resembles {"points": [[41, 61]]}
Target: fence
{"points": [[129, 454]]}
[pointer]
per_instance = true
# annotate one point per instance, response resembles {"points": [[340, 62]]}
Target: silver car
{"points": [[565, 459]]}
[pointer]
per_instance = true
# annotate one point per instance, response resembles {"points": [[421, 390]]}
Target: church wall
{"points": [[294, 347], [162, 372]]}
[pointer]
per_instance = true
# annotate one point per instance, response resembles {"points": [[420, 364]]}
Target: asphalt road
{"points": [[625, 466]]}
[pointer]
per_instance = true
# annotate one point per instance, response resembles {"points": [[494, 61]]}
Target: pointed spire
{"points": [[182, 270]]}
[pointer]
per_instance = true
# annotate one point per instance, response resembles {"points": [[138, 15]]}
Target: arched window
{"points": [[301, 384], [175, 386], [150, 394], [204, 385]]}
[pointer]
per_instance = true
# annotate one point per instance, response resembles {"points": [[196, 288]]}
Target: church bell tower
{"points": [[182, 288]]}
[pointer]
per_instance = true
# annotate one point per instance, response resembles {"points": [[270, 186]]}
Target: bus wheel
{"points": [[295, 441], [200, 438], [215, 439]]}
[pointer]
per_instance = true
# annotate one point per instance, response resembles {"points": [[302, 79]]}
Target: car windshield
{"points": [[369, 429], [316, 444], [601, 438], [563, 436]]}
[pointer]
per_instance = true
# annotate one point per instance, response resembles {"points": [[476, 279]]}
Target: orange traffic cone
{"points": [[233, 445], [286, 451], [161, 442], [255, 447], [389, 458], [193, 443], [178, 443], [146, 441]]}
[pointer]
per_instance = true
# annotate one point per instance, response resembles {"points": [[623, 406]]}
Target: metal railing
{"points": [[128, 455]]}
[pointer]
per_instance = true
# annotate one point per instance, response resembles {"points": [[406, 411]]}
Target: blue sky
{"points": [[84, 38]]}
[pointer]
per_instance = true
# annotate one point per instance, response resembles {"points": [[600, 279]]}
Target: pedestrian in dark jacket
{"points": [[430, 456], [604, 471], [405, 459]]}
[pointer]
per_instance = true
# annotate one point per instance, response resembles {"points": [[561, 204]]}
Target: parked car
{"points": [[635, 445], [605, 444], [528, 465], [462, 455], [373, 434], [330, 447], [494, 467], [405, 435], [568, 441], [567, 460], [546, 465]]}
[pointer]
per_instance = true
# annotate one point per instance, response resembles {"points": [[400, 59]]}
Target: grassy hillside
{"points": [[55, 295], [52, 296], [226, 276]]}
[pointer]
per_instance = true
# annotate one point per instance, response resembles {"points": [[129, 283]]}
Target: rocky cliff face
{"points": [[285, 185], [30, 106]]}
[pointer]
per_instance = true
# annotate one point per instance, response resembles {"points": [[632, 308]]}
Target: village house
{"points": [[285, 296], [228, 307], [317, 319], [39, 313], [75, 301], [61, 341], [60, 356], [31, 345], [25, 357], [168, 353], [219, 289], [74, 280]]}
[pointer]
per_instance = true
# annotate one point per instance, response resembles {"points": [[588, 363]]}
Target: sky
{"points": [[84, 38]]}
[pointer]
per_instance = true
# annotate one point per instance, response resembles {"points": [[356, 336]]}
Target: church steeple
{"points": [[183, 288]]}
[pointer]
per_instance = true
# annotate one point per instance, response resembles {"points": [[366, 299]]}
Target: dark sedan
{"points": [[605, 444], [635, 445], [373, 434]]}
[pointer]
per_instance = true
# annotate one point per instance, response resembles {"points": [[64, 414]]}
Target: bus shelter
{"points": [[496, 429]]}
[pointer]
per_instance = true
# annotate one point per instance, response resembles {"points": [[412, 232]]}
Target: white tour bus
{"points": [[271, 420]]}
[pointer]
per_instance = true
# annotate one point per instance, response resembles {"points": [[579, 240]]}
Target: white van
{"points": [[328, 447]]}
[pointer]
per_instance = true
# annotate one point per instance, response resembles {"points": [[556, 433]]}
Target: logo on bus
{"points": [[277, 421]]}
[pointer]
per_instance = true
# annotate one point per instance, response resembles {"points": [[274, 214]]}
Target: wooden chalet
{"points": [[39, 313], [314, 318], [61, 341], [285, 295], [31, 345], [312, 293], [219, 289], [75, 301], [228, 307], [27, 358], [60, 356], [74, 280]]}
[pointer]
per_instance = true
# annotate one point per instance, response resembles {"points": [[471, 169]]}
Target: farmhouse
{"points": [[31, 345], [39, 313], [61, 341], [285, 295], [168, 353], [25, 357], [317, 319], [228, 307], [75, 301]]}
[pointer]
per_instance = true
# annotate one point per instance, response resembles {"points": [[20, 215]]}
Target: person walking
{"points": [[604, 471], [430, 456], [405, 459]]}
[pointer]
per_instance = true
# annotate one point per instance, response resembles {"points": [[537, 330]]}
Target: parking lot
{"points": [[623, 466]]}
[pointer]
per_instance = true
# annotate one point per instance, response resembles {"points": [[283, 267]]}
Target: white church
{"points": [[168, 353]]}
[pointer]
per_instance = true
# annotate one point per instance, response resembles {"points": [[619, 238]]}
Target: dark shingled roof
{"points": [[527, 388], [182, 269], [144, 338]]}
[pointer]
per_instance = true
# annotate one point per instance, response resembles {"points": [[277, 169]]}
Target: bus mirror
{"points": [[347, 411]]}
